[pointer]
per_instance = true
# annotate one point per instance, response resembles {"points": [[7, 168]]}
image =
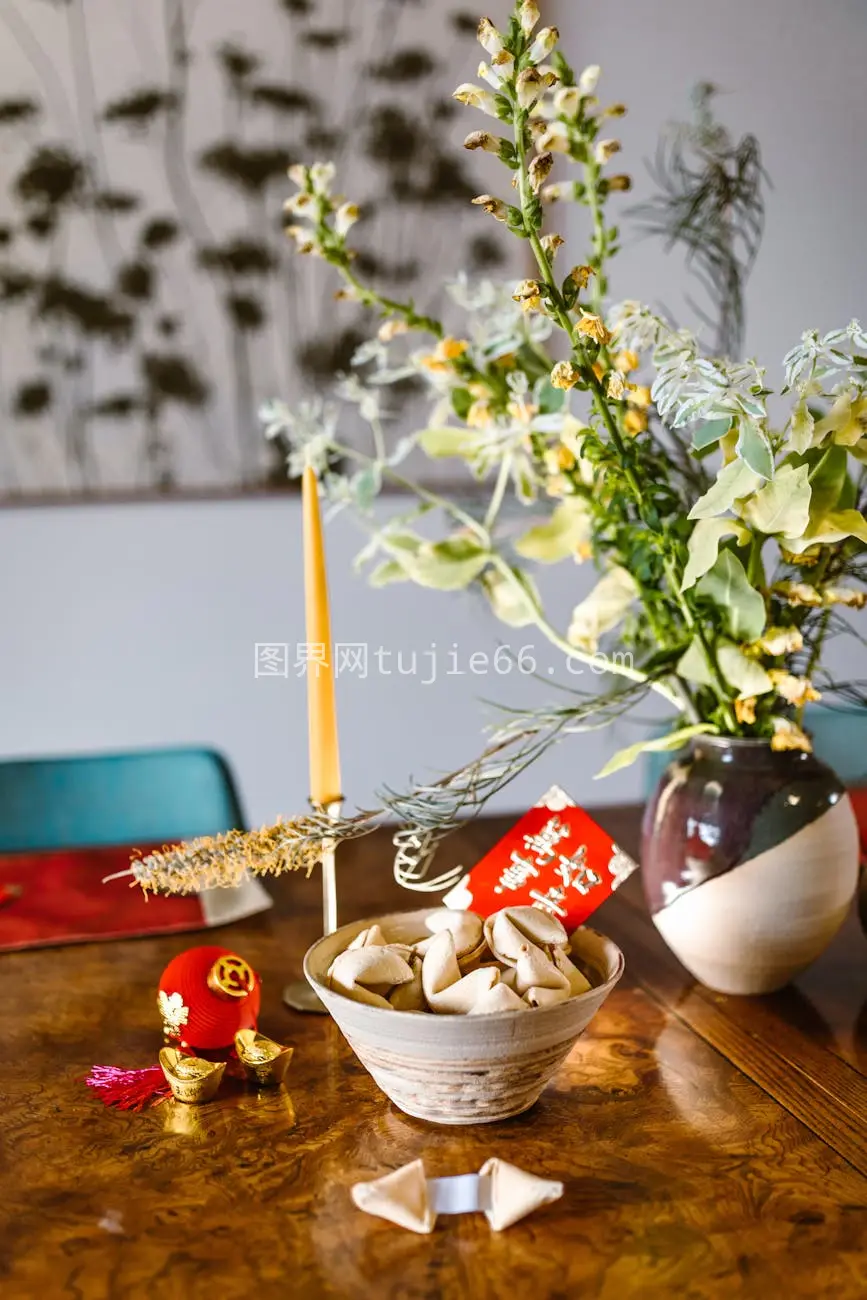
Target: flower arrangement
{"points": [[726, 520]]}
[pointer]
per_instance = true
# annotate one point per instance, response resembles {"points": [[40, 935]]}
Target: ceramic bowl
{"points": [[462, 1069]]}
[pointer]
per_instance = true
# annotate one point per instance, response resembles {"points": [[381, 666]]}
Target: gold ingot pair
{"points": [[265, 1062], [195, 1081]]}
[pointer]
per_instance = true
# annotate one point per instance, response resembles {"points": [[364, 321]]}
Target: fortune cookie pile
{"points": [[515, 960]]}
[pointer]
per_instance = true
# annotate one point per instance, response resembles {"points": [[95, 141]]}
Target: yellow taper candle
{"points": [[321, 708]]}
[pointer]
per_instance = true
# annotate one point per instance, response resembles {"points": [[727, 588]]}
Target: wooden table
{"points": [[710, 1146]]}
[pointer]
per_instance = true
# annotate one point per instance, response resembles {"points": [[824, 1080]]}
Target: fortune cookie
{"points": [[446, 991], [358, 974], [370, 938], [498, 998], [409, 996], [509, 930], [465, 927], [534, 972], [401, 1197], [515, 1193], [578, 983]]}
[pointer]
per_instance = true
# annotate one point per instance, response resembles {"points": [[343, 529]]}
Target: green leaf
{"points": [[742, 607], [734, 481], [744, 675], [661, 744], [801, 428], [525, 486], [827, 478], [515, 601], [462, 400], [833, 527], [704, 544], [366, 486], [754, 449], [548, 398], [401, 541], [710, 433], [568, 528], [603, 609], [387, 572], [782, 507], [848, 494], [449, 565], [447, 441]]}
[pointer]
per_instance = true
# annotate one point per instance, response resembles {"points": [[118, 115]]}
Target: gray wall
{"points": [[135, 625], [791, 71]]}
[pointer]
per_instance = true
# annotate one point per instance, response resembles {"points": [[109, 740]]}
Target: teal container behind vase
{"points": [[839, 740]]}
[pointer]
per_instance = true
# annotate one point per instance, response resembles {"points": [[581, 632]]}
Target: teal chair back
{"points": [[839, 739], [134, 798]]}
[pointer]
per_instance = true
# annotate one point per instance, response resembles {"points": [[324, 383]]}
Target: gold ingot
{"points": [[265, 1062], [191, 1079]]}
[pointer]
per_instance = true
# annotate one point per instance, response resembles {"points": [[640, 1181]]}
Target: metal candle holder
{"points": [[298, 994]]}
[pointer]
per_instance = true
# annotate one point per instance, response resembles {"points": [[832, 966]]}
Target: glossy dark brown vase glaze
{"points": [[749, 861]]}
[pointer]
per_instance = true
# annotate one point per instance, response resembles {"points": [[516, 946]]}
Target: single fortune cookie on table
{"points": [[265, 1062], [191, 1080]]}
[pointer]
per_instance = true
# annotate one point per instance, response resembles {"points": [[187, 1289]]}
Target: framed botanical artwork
{"points": [[148, 300]]}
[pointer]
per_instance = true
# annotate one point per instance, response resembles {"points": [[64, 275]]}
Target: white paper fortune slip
{"points": [[459, 1194]]}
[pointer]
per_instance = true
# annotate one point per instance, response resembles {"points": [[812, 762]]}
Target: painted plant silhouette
{"points": [[148, 301]]}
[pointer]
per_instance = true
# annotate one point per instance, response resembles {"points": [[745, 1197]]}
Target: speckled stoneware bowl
{"points": [[462, 1069]]}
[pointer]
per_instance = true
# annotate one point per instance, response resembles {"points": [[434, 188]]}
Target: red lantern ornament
{"points": [[205, 996]]}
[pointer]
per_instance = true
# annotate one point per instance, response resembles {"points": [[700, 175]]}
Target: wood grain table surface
{"points": [[710, 1146]]}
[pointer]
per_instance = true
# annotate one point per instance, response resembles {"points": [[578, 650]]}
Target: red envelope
{"points": [[555, 858]]}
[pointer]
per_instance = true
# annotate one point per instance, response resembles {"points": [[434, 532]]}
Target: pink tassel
{"points": [[129, 1089]]}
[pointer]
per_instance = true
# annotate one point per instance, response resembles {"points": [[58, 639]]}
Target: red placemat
{"points": [[59, 897]]}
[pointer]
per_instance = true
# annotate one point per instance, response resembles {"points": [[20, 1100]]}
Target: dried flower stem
{"points": [[225, 860]]}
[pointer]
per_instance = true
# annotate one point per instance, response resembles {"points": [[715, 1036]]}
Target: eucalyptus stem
{"points": [[499, 492]]}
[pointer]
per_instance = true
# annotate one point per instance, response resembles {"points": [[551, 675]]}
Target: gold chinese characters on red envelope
{"points": [[555, 858]]}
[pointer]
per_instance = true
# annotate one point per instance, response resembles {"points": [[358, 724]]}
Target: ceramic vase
{"points": [[749, 861]]}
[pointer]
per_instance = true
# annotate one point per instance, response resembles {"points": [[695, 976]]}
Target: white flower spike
{"points": [[476, 97], [529, 87], [321, 176], [489, 38], [544, 43], [589, 79], [529, 16], [539, 170], [483, 140], [494, 207], [567, 100], [606, 149], [345, 218]]}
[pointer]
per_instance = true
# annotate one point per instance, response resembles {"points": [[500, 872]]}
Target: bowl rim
{"points": [[557, 1008]]}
